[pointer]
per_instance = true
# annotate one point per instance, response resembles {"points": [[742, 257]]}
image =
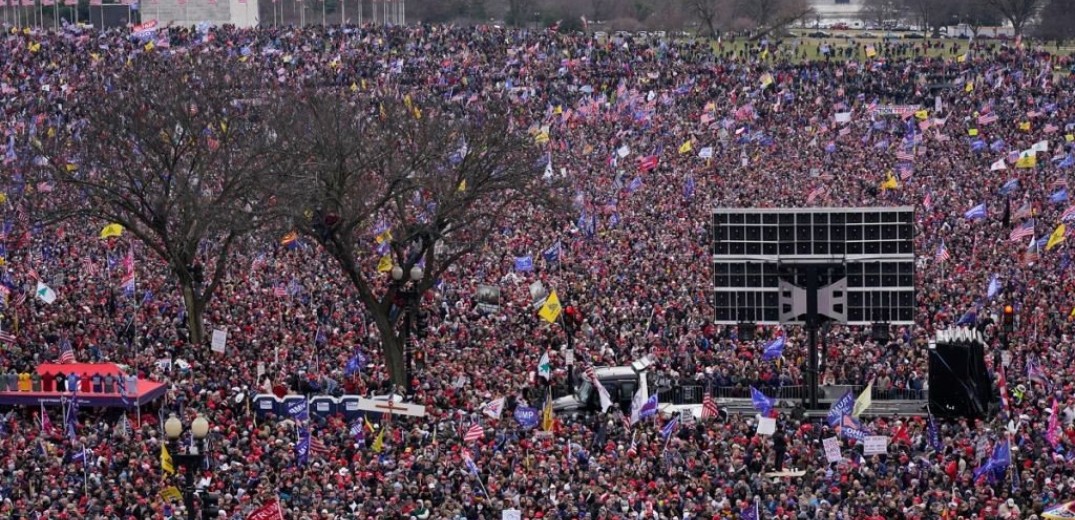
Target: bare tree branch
{"points": [[438, 178]]}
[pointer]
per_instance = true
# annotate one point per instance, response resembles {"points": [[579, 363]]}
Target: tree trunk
{"points": [[195, 315], [392, 346]]}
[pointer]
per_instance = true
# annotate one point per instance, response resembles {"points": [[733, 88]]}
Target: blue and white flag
{"points": [[840, 408], [977, 212], [994, 287], [762, 403], [1009, 187], [358, 432], [526, 416], [355, 364], [671, 427], [552, 254], [774, 349], [298, 410], [302, 448], [1059, 197], [933, 434], [524, 263]]}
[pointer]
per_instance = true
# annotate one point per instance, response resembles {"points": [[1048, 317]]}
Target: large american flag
{"points": [[709, 407], [317, 446], [904, 155], [66, 354], [474, 433], [987, 119], [1026, 229]]}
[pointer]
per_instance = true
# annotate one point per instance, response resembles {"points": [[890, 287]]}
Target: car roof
{"points": [[621, 371]]}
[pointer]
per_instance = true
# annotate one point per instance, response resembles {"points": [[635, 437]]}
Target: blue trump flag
{"points": [[933, 433], [1009, 187], [524, 263], [552, 254], [302, 448], [774, 349], [750, 513], [355, 364], [298, 410], [526, 417], [1059, 197], [762, 403], [997, 464], [840, 408], [976, 212]]}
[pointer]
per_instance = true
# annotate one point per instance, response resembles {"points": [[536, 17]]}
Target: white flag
{"points": [[544, 368], [45, 293], [494, 408], [999, 165], [636, 405]]}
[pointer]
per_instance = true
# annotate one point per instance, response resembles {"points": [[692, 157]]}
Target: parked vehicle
{"points": [[621, 383]]}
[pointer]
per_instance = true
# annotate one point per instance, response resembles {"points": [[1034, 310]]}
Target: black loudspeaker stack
{"points": [[959, 385]]}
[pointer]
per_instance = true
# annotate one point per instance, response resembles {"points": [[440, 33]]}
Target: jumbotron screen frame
{"points": [[755, 248]]}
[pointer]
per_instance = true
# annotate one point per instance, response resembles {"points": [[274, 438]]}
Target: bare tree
{"points": [[432, 182], [974, 14], [1057, 21], [1017, 12], [167, 150], [773, 15], [881, 11], [707, 12]]}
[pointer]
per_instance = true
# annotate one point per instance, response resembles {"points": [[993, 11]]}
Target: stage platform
{"points": [[148, 391]]}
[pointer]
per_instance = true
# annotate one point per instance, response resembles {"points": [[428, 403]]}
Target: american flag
{"points": [[709, 407], [1026, 229], [1068, 213], [317, 447], [845, 131], [279, 291], [942, 253], [1050, 129], [928, 201], [815, 193], [987, 119], [633, 450], [66, 354], [474, 433], [906, 171], [904, 155], [7, 337]]}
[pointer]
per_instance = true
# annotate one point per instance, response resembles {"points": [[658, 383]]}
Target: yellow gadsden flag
{"points": [[1056, 238], [166, 461], [112, 230], [550, 310], [171, 494]]}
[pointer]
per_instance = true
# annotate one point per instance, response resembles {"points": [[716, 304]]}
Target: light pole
{"points": [[408, 292], [191, 461]]}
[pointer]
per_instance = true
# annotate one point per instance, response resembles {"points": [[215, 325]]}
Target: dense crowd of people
{"points": [[652, 135]]}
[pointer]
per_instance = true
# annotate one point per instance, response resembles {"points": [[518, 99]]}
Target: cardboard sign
{"points": [[875, 445], [766, 426], [220, 340], [832, 449]]}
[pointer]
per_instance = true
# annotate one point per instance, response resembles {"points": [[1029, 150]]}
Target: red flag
{"points": [[270, 511]]}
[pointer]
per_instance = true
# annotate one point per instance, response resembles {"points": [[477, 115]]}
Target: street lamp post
{"points": [[192, 459], [408, 291]]}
